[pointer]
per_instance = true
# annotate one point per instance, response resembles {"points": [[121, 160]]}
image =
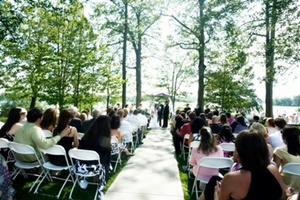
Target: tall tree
{"points": [[198, 24]]}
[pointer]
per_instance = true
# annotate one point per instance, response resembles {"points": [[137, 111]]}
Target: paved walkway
{"points": [[151, 174]]}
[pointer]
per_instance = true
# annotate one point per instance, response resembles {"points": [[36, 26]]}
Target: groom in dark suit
{"points": [[160, 109], [166, 114]]}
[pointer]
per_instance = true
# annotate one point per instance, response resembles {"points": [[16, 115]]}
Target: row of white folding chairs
{"points": [[74, 154]]}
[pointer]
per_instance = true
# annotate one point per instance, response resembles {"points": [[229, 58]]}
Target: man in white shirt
{"points": [[133, 119], [125, 128], [275, 139]]}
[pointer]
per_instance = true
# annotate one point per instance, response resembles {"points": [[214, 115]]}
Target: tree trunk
{"points": [[33, 102], [125, 33], [271, 20], [201, 66], [138, 76]]}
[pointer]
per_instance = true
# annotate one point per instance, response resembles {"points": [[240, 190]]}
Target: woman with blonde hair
{"points": [[260, 129]]}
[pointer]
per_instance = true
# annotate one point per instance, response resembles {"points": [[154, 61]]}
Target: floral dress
{"points": [[7, 191]]}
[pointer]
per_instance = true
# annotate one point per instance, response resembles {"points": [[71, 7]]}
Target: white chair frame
{"points": [[114, 140], [83, 155], [211, 162], [21, 166], [193, 144], [58, 151], [183, 146]]}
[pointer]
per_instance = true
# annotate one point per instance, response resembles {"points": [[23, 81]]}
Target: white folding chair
{"points": [[184, 146], [80, 135], [193, 144], [291, 168], [3, 143], [228, 147], [23, 149], [56, 150], [83, 155], [210, 162], [115, 151]]}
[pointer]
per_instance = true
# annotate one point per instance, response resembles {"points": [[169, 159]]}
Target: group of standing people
{"points": [[160, 114]]}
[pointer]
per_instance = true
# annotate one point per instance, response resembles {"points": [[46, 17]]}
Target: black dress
{"points": [[67, 143]]}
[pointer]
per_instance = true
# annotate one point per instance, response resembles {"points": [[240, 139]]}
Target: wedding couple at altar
{"points": [[159, 114]]}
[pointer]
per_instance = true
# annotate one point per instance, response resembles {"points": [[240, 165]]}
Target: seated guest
{"points": [[49, 121], [12, 124], [260, 129], [275, 139], [196, 125], [125, 127], [207, 148], [114, 127], [256, 180], [75, 122], [270, 125], [32, 134], [68, 142], [226, 136], [241, 124], [289, 153], [86, 124], [223, 119], [186, 128], [97, 138], [215, 126]]}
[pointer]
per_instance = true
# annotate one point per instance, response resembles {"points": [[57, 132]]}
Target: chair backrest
{"points": [[21, 148], [84, 155], [291, 168], [80, 135], [57, 150], [3, 143], [235, 134], [194, 144], [228, 146], [216, 162]]}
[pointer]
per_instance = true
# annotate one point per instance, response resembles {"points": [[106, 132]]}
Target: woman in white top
{"points": [[270, 125]]}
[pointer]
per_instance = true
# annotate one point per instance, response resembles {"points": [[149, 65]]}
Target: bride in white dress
{"points": [[154, 120]]}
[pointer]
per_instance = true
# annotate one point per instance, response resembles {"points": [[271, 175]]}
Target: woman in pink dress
{"points": [[207, 148]]}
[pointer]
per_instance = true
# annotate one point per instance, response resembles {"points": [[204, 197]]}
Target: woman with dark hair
{"points": [[257, 179], [49, 121], [241, 124], [115, 123], [12, 125], [97, 138], [223, 119], [207, 148], [68, 142], [225, 136], [289, 153], [196, 125]]}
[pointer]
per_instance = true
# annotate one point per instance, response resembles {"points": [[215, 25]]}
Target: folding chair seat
{"points": [[115, 151], [210, 162], [184, 146], [56, 150], [23, 149], [82, 155]]}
